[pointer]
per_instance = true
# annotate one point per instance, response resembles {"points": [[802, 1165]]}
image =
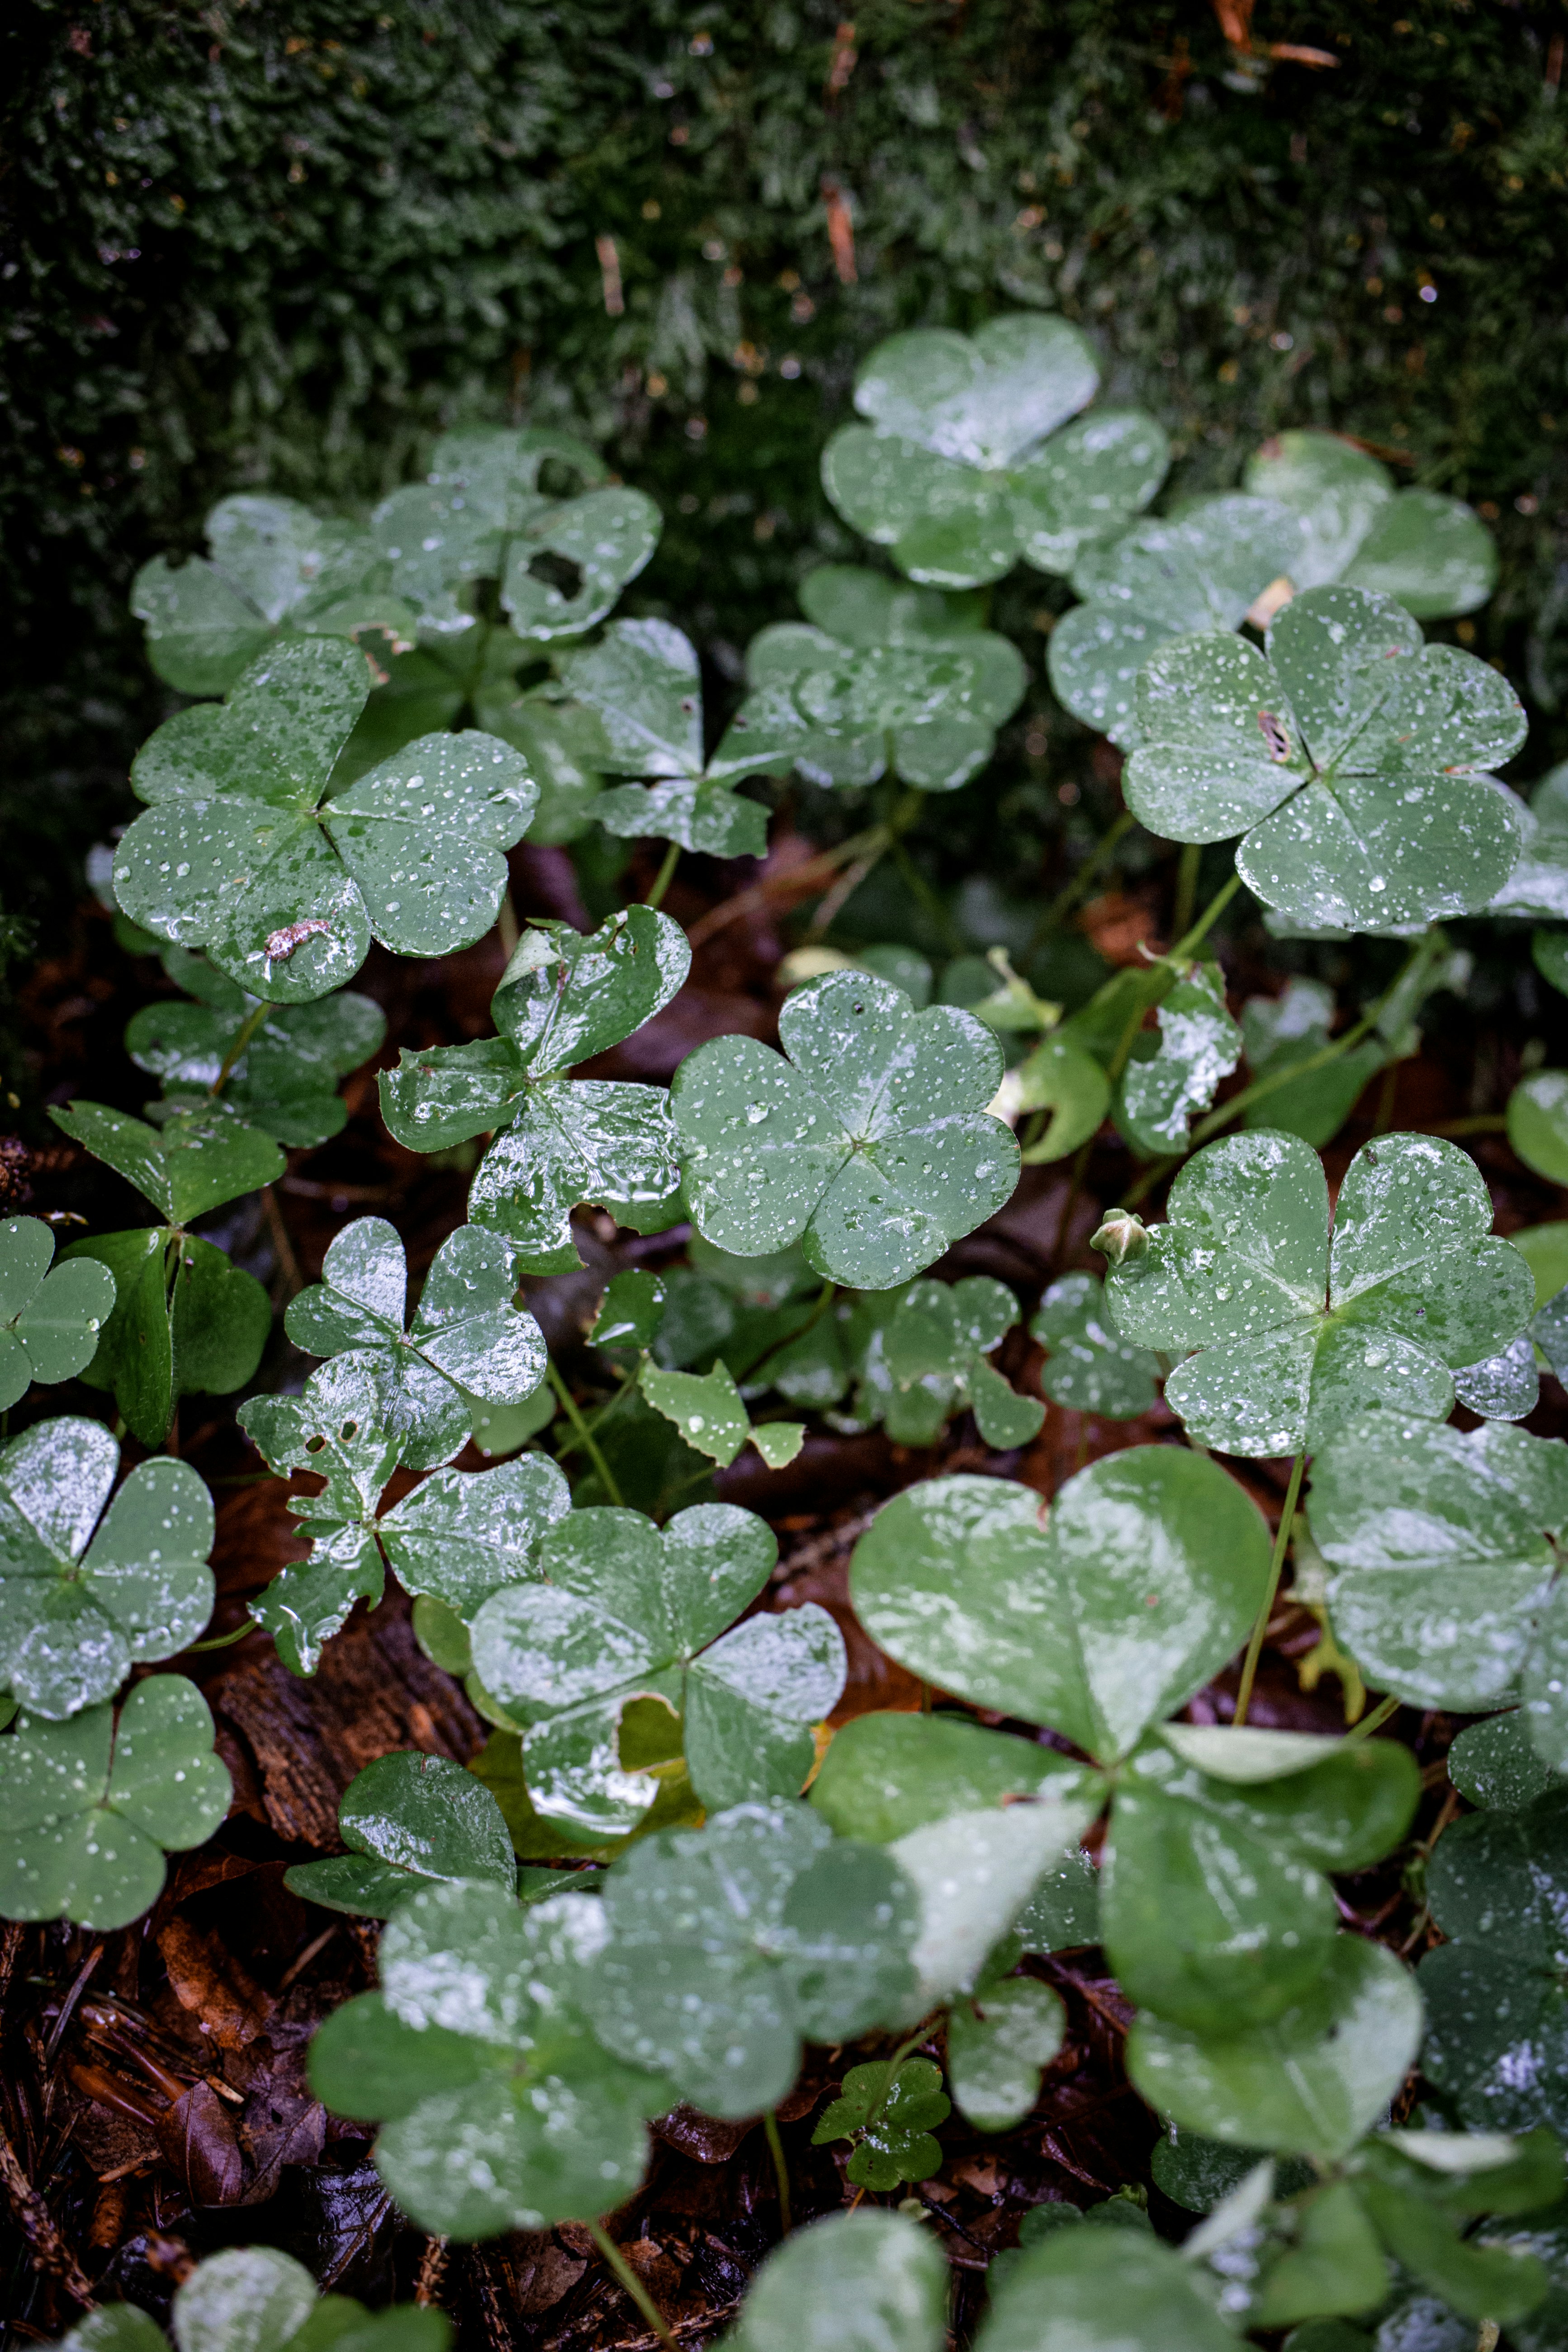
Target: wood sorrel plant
{"points": [[400, 702]]}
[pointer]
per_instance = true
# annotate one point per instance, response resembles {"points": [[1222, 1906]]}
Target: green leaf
{"points": [[1062, 1914], [50, 1321], [631, 1311], [285, 1082], [1103, 2287], [246, 2299], [642, 681], [851, 2282], [1312, 2081], [885, 1774], [708, 1412], [1538, 1123], [974, 1872], [984, 400], [1199, 2174], [1091, 479], [1142, 1583], [184, 1320], [467, 1339], [1494, 1765], [562, 999], [1339, 1804], [462, 1536], [483, 489], [1059, 1076], [407, 1819], [729, 1944], [237, 853], [999, 2042], [703, 816], [1093, 658], [76, 1607], [1348, 756], [872, 1140], [888, 2112], [754, 1701], [1438, 1541], [1336, 490], [1296, 1337], [1495, 1991], [90, 1804], [1482, 2281], [607, 536], [1335, 2265], [1091, 1367], [1430, 551], [1201, 572], [1199, 1045], [194, 1162]]}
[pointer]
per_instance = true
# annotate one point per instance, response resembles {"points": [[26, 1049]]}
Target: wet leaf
{"points": [[1442, 1566], [558, 1141], [1538, 1123], [1103, 2287], [51, 1318], [999, 2042], [285, 1082], [630, 1312], [607, 535], [851, 2282], [871, 1141], [185, 1321], [885, 1774], [407, 1819], [1352, 756], [194, 1162], [1142, 1583], [974, 1872], [232, 856], [1495, 1991], [711, 1416], [1504, 1387], [467, 1339], [1199, 1045], [1432, 553], [729, 1945], [1494, 1764], [1312, 2081], [91, 1804], [1296, 1338], [888, 2111], [77, 1606], [1091, 1367]]}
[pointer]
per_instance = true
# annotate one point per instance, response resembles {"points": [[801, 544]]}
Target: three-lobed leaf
{"points": [[51, 1316]]}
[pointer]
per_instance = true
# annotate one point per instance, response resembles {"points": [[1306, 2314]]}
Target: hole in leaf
{"points": [[351, 1431], [314, 1444], [560, 478], [557, 571]]}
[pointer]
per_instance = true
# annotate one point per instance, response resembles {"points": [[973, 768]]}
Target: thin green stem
{"points": [[585, 1437], [665, 876], [632, 2285], [600, 1413], [223, 1640], [1187, 866], [1375, 1720], [1071, 892], [1208, 920], [781, 2169], [1281, 1542], [507, 927], [926, 896], [825, 1298], [242, 1037], [894, 2063], [1482, 1123]]}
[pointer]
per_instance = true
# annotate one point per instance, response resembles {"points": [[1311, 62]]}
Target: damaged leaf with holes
{"points": [[241, 852], [1197, 1045], [622, 1611], [968, 463], [1287, 1331], [558, 1140]]}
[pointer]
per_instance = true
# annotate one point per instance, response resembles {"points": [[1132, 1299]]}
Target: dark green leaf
{"points": [[888, 2114], [1091, 1367], [194, 1162], [50, 1321], [407, 1819]]}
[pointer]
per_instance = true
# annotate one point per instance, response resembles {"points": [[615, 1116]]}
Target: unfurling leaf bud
{"points": [[1122, 1236]]}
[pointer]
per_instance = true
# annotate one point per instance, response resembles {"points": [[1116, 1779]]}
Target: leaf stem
{"points": [[223, 1640], [241, 1039], [1077, 887], [632, 2285], [925, 896], [825, 1298], [1255, 1648], [1375, 1720], [585, 1437], [665, 876], [509, 933], [1187, 869], [799, 877], [1208, 920], [781, 2169]]}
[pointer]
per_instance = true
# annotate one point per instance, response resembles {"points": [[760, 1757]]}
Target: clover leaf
{"points": [[408, 1819], [457, 1538], [711, 1416], [286, 1077], [1494, 1763], [887, 1774], [1444, 1549], [82, 1596], [1297, 1334], [1310, 2081], [483, 515], [1432, 553], [91, 1805], [625, 1610], [1000, 2040], [1199, 1044], [1202, 570], [190, 1164], [558, 1140], [275, 568], [961, 470], [1538, 885], [1090, 1368], [255, 2299], [871, 1140], [1280, 1031], [643, 684], [1497, 1991], [892, 679], [1142, 1579], [945, 1331], [1103, 2287], [728, 1946], [888, 2110], [464, 1342], [241, 853], [851, 2282], [1349, 755], [499, 2109], [52, 1318]]}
